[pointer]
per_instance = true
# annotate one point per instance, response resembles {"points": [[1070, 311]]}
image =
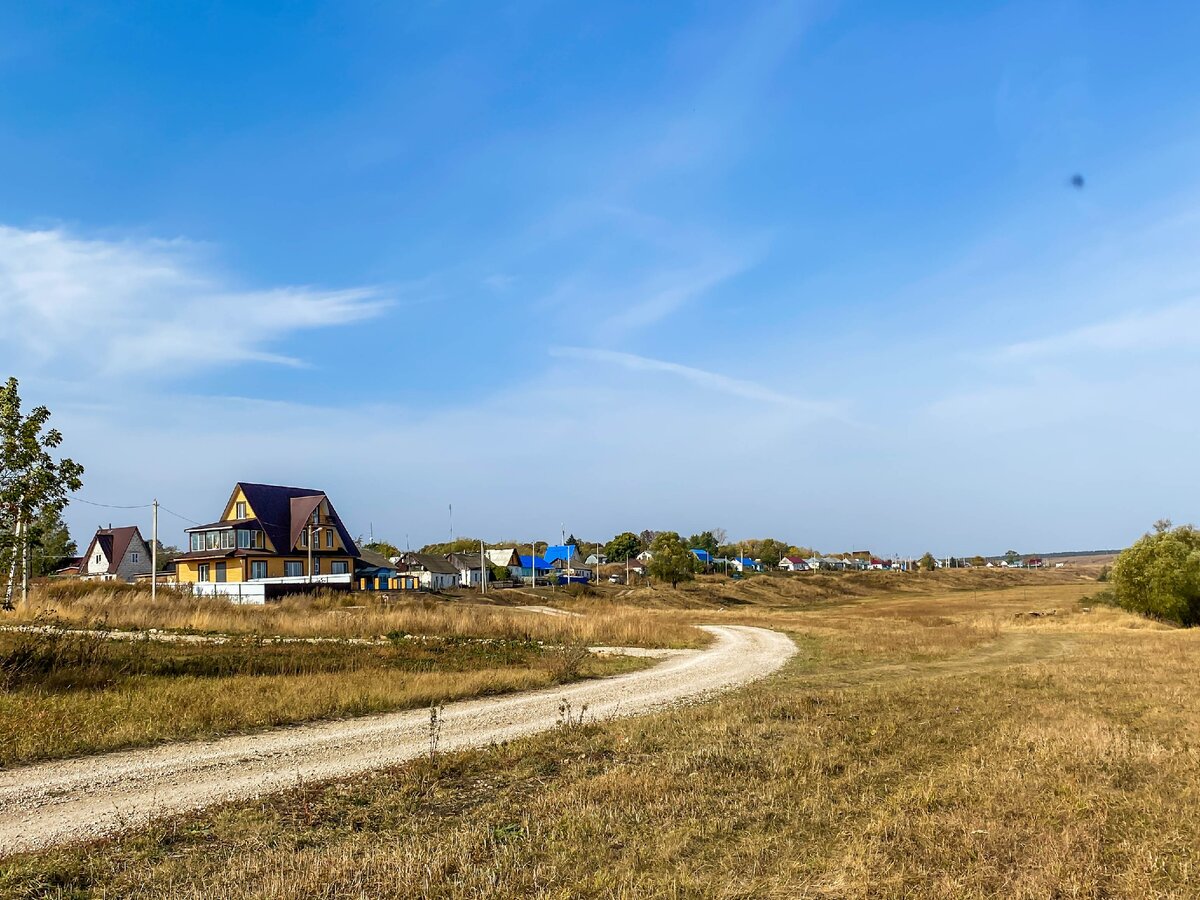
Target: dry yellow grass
{"points": [[950, 747], [327, 616]]}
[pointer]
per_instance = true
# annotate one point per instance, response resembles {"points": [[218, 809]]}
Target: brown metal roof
{"points": [[114, 542]]}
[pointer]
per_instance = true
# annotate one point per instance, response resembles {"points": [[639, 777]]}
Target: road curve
{"points": [[60, 802]]}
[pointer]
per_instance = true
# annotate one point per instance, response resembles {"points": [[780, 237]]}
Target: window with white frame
{"points": [[240, 509], [293, 568], [304, 538], [202, 572]]}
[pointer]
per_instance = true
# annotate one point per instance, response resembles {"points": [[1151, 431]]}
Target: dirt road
{"points": [[55, 803]]}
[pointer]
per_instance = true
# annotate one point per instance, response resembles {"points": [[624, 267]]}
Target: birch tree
{"points": [[31, 481]]}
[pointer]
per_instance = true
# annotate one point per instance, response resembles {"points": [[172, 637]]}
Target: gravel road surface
{"points": [[60, 802]]}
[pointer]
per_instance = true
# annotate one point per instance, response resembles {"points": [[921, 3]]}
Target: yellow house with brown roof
{"points": [[269, 531]]}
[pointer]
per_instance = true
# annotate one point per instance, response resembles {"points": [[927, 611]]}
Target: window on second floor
{"points": [[240, 510], [304, 538], [136, 556], [329, 537], [98, 558]]}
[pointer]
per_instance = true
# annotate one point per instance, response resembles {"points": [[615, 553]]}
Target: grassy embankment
{"points": [[933, 744]]}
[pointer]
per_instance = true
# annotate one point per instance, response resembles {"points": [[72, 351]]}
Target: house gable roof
{"points": [[565, 552], [276, 507], [373, 560], [462, 561], [113, 542], [505, 557], [430, 563]]}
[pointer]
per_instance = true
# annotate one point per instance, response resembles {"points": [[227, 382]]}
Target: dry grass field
{"points": [[68, 693], [341, 616], [984, 736]]}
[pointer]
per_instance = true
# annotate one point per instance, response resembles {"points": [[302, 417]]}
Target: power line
{"points": [[177, 515], [134, 506], [110, 505]]}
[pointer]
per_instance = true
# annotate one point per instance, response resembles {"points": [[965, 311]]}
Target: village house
{"points": [[794, 564], [741, 563], [469, 567], [433, 573], [114, 554], [376, 572], [566, 558], [269, 532]]}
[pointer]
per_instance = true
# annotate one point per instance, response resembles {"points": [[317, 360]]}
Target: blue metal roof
{"points": [[565, 552], [541, 563], [702, 555]]}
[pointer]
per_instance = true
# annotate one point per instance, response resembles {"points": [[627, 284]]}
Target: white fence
{"points": [[258, 592]]}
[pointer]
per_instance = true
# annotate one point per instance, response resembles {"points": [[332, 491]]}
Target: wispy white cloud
{"points": [[668, 291], [136, 307], [1166, 328], [712, 381]]}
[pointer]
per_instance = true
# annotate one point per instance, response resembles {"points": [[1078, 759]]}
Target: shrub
{"points": [[50, 656], [1159, 576]]}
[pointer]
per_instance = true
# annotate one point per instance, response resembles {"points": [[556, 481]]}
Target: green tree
{"points": [[458, 545], [167, 554], [770, 551], [927, 563], [50, 542], [1159, 575], [31, 481], [673, 560], [383, 548], [705, 540], [1011, 556], [978, 561], [623, 546]]}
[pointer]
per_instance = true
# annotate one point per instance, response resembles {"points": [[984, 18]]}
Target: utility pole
{"points": [[154, 554], [313, 531], [483, 572]]}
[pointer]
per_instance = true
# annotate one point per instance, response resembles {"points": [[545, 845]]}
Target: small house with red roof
{"points": [[115, 554], [794, 564]]}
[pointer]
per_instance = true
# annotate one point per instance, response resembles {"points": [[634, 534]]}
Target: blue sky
{"points": [[813, 270]]}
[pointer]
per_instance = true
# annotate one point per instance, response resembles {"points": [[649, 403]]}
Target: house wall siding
{"points": [[238, 568], [127, 570], [93, 568]]}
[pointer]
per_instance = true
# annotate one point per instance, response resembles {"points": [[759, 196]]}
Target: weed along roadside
{"points": [[69, 692], [97, 795]]}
